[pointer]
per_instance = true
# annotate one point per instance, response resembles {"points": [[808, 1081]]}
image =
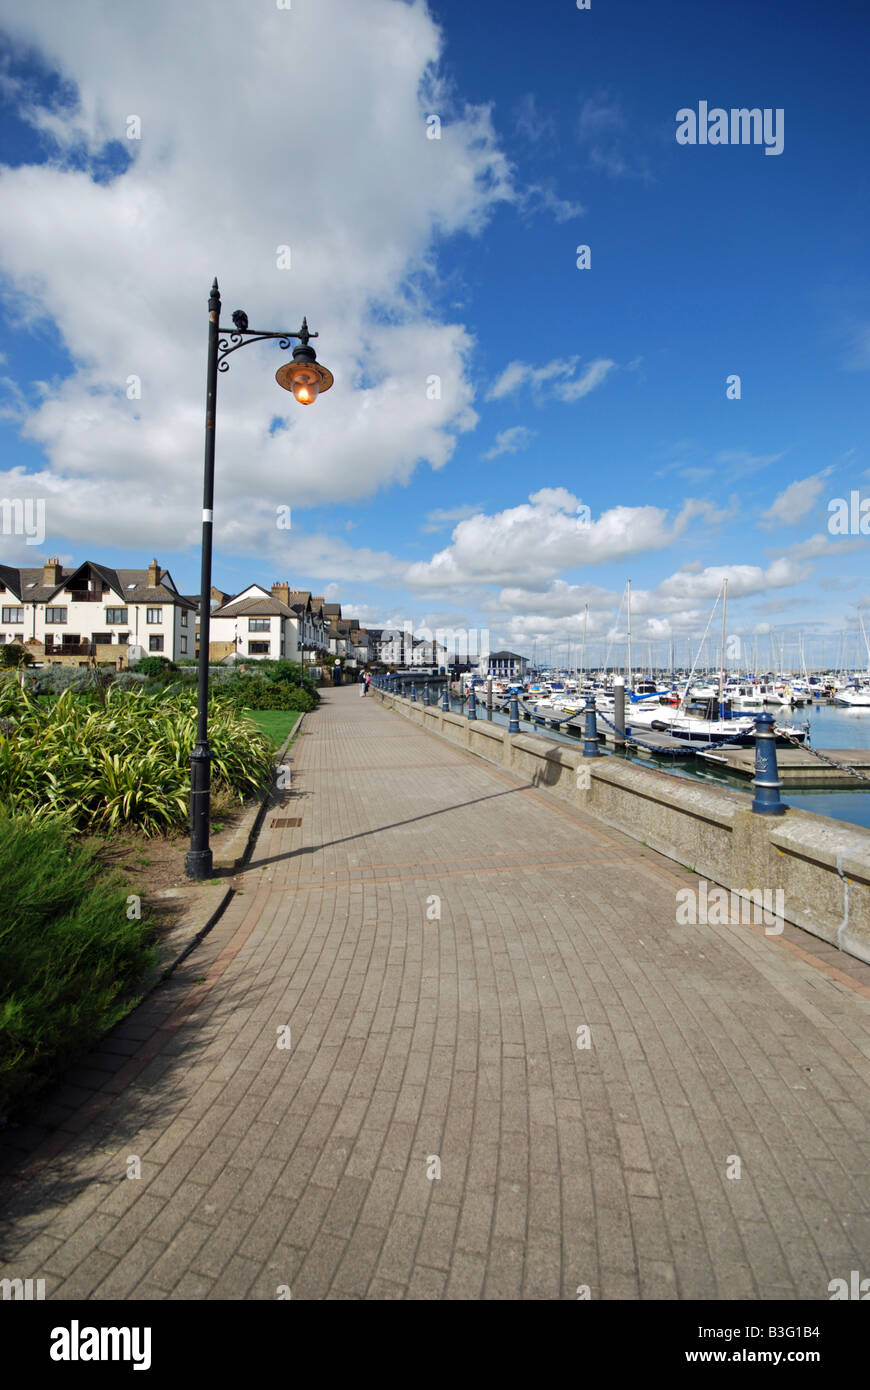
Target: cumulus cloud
{"points": [[795, 501], [821, 546], [553, 531], [679, 606], [122, 264]]}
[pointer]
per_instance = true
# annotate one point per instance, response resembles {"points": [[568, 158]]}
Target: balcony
{"points": [[83, 596], [71, 649]]}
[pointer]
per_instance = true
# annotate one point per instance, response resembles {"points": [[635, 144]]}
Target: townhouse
{"points": [[268, 624], [94, 613]]}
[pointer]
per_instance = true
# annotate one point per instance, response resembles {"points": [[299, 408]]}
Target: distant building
{"points": [[269, 624], [503, 665]]}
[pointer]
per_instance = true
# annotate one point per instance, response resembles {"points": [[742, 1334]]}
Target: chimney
{"points": [[52, 573], [153, 575], [281, 592]]}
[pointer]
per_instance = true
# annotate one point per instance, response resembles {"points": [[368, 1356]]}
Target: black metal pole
{"points": [[198, 861]]}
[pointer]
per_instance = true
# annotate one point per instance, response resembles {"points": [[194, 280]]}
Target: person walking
{"points": [[368, 681], [362, 683]]}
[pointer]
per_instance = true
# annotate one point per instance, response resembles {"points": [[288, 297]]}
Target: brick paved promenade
{"points": [[414, 1039]]}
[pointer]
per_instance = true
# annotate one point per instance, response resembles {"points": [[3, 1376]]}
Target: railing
{"points": [[83, 596], [72, 649]]}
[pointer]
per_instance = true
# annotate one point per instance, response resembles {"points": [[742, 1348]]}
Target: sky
{"points": [[518, 426]]}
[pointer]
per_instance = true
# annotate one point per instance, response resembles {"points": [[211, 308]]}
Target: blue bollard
{"points": [[413, 692], [425, 692], [590, 732], [472, 704], [514, 721], [766, 782], [445, 698]]}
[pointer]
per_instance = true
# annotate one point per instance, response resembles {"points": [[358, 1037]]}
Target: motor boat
{"points": [[853, 697]]}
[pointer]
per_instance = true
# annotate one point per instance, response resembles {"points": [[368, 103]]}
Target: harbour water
{"points": [[831, 727]]}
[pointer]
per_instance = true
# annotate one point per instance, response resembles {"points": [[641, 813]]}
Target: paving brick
{"points": [[559, 1166]]}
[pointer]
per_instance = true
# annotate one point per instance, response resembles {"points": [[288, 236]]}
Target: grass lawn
{"points": [[275, 723]]}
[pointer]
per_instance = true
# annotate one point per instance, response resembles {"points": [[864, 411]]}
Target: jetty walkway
{"points": [[509, 1073]]}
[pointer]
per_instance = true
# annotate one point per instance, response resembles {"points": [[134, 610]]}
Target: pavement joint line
{"points": [[662, 869], [411, 1040]]}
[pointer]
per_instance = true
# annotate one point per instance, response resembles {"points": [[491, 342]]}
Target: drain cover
{"points": [[281, 821]]}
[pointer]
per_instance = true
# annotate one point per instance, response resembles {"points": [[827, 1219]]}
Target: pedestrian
{"points": [[362, 682], [368, 681]]}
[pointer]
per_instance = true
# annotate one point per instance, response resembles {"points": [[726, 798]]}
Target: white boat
{"points": [[671, 719], [754, 696], [853, 697]]}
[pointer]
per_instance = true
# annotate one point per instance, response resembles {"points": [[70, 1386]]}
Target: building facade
{"points": [[95, 614]]}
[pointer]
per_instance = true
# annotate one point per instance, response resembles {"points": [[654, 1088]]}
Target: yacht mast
{"points": [[628, 610], [583, 649], [722, 652]]}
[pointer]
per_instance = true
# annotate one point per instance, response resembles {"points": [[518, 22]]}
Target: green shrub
{"points": [[70, 958], [254, 692], [154, 665], [14, 654], [287, 673], [111, 758]]}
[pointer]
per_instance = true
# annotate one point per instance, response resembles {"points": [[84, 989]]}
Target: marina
{"points": [[797, 767]]}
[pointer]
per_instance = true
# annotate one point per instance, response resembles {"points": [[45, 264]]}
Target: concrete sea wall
{"points": [[822, 866]]}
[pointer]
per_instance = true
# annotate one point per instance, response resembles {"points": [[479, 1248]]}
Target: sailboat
{"points": [[857, 694]]}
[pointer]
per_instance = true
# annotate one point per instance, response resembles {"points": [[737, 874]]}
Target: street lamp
{"points": [[307, 379]]}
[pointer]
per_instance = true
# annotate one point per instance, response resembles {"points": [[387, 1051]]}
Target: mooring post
{"points": [[445, 696], [619, 712], [413, 692], [472, 704], [514, 722], [766, 782], [590, 733]]}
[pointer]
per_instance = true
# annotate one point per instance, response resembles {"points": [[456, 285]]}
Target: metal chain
{"points": [[823, 757], [654, 747]]}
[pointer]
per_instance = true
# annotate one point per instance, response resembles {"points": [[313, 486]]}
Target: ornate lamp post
{"points": [[307, 379]]}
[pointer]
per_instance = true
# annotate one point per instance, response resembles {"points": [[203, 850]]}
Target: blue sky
{"points": [[455, 258]]}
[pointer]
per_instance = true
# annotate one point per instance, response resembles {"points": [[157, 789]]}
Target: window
{"points": [[123, 638], [184, 617], [258, 648], [55, 615], [183, 646], [105, 639], [116, 615], [154, 615], [14, 615], [258, 624], [155, 643]]}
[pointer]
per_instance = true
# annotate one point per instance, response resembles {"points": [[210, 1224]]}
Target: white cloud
{"points": [[510, 441], [533, 542], [795, 501], [124, 266], [821, 546], [593, 376], [442, 517], [557, 375]]}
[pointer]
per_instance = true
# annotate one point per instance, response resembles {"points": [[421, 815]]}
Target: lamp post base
{"points": [[198, 863]]}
